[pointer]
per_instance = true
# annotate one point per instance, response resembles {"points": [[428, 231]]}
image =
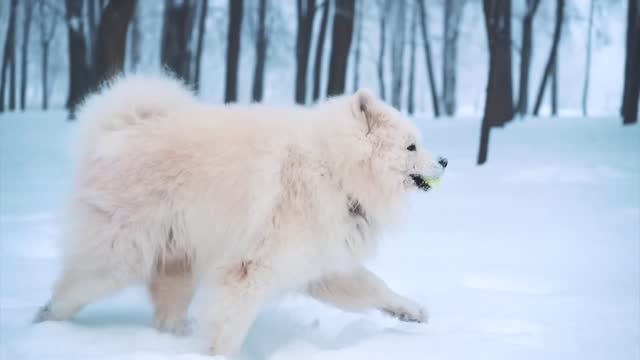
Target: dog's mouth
{"points": [[422, 182]]}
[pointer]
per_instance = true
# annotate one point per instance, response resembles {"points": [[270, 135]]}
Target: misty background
{"points": [[435, 58]]}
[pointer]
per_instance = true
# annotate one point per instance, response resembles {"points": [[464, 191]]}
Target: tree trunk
{"points": [[356, 65], [428, 58], [485, 133], [48, 21], [554, 88], [93, 17], [261, 53], [9, 51], [384, 9], [452, 15], [233, 50], [111, 40], [587, 68], [397, 53], [317, 65], [27, 16], [499, 100], [45, 77], [552, 55], [175, 53], [135, 48], [202, 28], [525, 56], [78, 68], [306, 12], [340, 43], [412, 65], [629, 110], [12, 78]]}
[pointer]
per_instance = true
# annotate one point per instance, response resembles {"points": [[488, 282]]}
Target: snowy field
{"points": [[534, 256]]}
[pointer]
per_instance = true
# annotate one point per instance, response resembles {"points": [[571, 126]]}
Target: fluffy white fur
{"points": [[245, 202]]}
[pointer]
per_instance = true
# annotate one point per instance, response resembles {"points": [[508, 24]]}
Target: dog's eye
{"points": [[411, 147]]}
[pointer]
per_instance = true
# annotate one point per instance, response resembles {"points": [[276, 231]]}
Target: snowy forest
{"points": [[528, 249], [532, 57]]}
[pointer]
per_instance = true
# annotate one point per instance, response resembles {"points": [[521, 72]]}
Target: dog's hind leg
{"points": [[100, 259], [361, 290], [171, 289], [81, 285]]}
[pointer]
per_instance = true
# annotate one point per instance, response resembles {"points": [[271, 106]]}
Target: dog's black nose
{"points": [[443, 162]]}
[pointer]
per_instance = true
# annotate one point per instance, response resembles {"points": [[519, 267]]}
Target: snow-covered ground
{"points": [[534, 256]]}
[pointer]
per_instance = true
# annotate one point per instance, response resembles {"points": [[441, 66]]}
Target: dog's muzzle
{"points": [[423, 183], [420, 182]]}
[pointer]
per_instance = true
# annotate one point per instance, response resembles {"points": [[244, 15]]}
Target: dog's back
{"points": [[152, 156]]}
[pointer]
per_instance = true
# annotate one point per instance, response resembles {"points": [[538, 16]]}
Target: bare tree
{"points": [[399, 16], [428, 59], [341, 35], [233, 50], [48, 16], [94, 12], [587, 68], [12, 77], [554, 87], [498, 107], [177, 28], [305, 13], [111, 40], [317, 65], [384, 10], [27, 16], [412, 64], [525, 55], [202, 28], [548, 70], [359, 19], [135, 40], [9, 59], [629, 110], [79, 70], [261, 53], [452, 15]]}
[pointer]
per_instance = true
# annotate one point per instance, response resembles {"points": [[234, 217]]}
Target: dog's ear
{"points": [[364, 105]]}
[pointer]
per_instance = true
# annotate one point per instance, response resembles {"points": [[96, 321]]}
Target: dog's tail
{"points": [[131, 99], [127, 102]]}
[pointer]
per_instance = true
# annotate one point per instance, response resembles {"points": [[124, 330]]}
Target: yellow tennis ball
{"points": [[433, 182]]}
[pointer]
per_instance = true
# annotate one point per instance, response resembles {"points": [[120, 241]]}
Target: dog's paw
{"points": [[178, 327], [408, 311], [184, 328], [43, 314]]}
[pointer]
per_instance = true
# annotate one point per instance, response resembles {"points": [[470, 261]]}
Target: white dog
{"points": [[247, 202]]}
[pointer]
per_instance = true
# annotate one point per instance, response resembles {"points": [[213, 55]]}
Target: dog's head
{"points": [[397, 150], [386, 159]]}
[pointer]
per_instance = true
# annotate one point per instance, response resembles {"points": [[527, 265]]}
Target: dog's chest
{"points": [[353, 238], [326, 227]]}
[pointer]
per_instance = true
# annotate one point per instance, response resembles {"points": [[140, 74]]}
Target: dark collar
{"points": [[355, 208]]}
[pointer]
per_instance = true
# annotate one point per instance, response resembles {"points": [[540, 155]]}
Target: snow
{"points": [[535, 255]]}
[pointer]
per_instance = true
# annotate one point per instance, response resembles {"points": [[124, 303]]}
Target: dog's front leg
{"points": [[361, 290], [235, 297]]}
